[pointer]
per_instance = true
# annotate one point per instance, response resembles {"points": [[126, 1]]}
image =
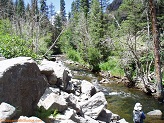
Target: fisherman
{"points": [[138, 114]]}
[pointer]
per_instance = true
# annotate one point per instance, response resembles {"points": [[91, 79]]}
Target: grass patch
{"points": [[113, 66], [43, 113], [74, 55]]}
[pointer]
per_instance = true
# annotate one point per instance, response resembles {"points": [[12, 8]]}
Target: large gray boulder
{"points": [[87, 88], [94, 106], [52, 100], [61, 74], [57, 66], [21, 84]]}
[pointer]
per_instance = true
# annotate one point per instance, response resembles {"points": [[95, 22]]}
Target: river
{"points": [[121, 100]]}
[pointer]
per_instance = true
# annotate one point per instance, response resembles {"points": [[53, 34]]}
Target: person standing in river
{"points": [[138, 114]]}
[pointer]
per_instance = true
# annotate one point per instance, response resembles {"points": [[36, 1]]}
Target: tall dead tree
{"points": [[157, 61]]}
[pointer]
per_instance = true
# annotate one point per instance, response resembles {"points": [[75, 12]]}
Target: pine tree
{"points": [[52, 9], [96, 34], [21, 8], [34, 9], [6, 7], [58, 25], [15, 5], [84, 7], [75, 8], [95, 22], [10, 7], [133, 13], [43, 7], [56, 32], [62, 11]]}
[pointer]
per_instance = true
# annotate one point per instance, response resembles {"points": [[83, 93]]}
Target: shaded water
{"points": [[123, 103], [121, 100]]}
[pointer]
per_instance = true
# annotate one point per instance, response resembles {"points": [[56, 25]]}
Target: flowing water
{"points": [[121, 100]]}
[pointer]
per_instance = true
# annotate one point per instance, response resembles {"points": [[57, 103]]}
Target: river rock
{"points": [[21, 84], [57, 66], [46, 70], [85, 119], [94, 105], [87, 88], [53, 101], [105, 116], [61, 73], [49, 73], [66, 79], [155, 113], [74, 104], [122, 121], [7, 111], [52, 79]]}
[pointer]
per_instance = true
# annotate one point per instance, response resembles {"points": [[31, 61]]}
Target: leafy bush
{"points": [[112, 65], [74, 55], [65, 41], [94, 58], [13, 46], [44, 44], [43, 113], [5, 26]]}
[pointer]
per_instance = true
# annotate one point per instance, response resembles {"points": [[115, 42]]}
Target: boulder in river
{"points": [[155, 113], [94, 105]]}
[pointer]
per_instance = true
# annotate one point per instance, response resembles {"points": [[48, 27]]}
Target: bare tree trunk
{"points": [[19, 19], [115, 20], [156, 51]]}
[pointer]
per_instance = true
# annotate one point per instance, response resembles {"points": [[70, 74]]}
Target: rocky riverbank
{"points": [[26, 86]]}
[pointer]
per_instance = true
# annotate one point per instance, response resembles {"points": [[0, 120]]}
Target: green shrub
{"points": [[112, 65], [5, 26], [73, 55], [65, 41], [43, 113], [94, 58], [13, 46]]}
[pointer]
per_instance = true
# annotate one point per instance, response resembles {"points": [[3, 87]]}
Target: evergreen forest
{"points": [[125, 37]]}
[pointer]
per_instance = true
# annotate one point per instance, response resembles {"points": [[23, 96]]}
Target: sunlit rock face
{"points": [[21, 84], [114, 5]]}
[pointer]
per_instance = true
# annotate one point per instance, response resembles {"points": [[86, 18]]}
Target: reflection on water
{"points": [[121, 100]]}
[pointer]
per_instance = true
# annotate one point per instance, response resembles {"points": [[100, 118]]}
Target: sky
{"points": [[56, 3]]}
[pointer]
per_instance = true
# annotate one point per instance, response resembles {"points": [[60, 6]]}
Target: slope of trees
{"points": [[125, 37], [119, 40]]}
